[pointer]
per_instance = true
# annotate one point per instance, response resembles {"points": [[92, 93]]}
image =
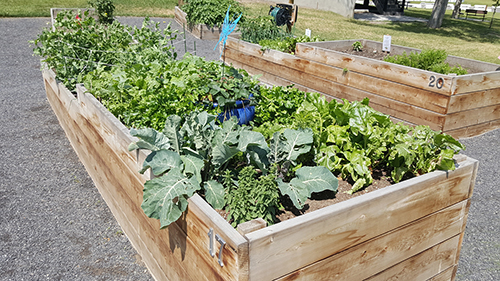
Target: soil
{"points": [[366, 52], [379, 55], [327, 198]]}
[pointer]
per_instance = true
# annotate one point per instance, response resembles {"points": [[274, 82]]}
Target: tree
{"points": [[456, 9], [438, 14], [496, 3]]}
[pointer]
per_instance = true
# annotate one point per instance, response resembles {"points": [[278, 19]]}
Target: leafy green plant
{"points": [[254, 30], [143, 94], [211, 12], [105, 9], [357, 46], [197, 155], [287, 44], [78, 46], [251, 196], [431, 60], [276, 106], [352, 139]]}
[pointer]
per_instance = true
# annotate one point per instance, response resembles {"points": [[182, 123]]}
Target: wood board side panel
{"points": [[171, 244], [476, 82], [61, 109], [354, 221], [400, 110], [474, 130], [472, 100], [398, 73], [111, 130], [426, 265], [272, 79], [369, 258], [200, 215], [377, 85], [446, 275], [472, 117]]}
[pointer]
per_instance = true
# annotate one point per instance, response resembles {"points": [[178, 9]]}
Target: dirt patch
{"points": [[320, 200], [366, 52], [327, 198]]}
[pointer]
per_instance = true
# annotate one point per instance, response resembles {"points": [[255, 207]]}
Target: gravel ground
{"points": [[54, 225]]}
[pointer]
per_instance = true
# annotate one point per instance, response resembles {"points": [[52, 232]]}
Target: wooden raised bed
{"points": [[462, 106], [412, 230], [200, 31]]}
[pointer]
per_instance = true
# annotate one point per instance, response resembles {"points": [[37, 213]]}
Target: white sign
{"points": [[386, 45], [308, 32]]}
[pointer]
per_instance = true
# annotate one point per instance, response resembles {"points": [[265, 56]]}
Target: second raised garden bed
{"points": [[462, 106], [412, 230], [200, 31]]}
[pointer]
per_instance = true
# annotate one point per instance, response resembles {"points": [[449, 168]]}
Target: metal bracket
{"points": [[211, 242], [222, 244]]}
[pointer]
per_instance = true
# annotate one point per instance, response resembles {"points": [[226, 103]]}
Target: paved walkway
{"points": [[54, 224]]}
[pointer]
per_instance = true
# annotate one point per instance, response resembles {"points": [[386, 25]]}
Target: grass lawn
{"points": [[41, 8], [463, 38]]}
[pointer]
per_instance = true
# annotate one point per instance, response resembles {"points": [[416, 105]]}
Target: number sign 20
{"points": [[438, 83]]}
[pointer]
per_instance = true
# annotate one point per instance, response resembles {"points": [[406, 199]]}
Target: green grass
{"points": [[463, 38], [41, 8]]}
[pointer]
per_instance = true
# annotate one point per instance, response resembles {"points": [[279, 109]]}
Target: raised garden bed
{"points": [[462, 106], [200, 31], [411, 230]]}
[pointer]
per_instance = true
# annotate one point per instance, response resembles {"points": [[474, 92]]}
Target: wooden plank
{"points": [[423, 266], [407, 112], [446, 275], [354, 221], [272, 79], [113, 132], [62, 105], [117, 137], [375, 255], [474, 130], [378, 85], [472, 100], [398, 73], [115, 174], [476, 82], [472, 117], [50, 78]]}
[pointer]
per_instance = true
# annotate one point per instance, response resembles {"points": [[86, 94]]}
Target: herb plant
{"points": [[431, 60], [357, 46]]}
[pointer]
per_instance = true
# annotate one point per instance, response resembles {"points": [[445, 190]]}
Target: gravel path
{"points": [[54, 225]]}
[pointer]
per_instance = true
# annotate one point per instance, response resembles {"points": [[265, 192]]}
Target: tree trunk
{"points": [[437, 14], [492, 17], [456, 10]]}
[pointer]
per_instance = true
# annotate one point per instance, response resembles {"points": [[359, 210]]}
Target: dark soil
{"points": [[327, 198], [367, 53]]}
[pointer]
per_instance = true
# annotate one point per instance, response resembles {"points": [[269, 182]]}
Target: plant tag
{"points": [[386, 45], [308, 32]]}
